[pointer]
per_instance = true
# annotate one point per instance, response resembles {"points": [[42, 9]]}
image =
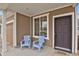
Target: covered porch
{"points": [[33, 21]]}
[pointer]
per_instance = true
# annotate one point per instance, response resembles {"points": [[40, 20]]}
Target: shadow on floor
{"points": [[0, 54]]}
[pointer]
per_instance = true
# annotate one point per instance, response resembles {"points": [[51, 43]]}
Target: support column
{"points": [[3, 31], [14, 32], [76, 27]]}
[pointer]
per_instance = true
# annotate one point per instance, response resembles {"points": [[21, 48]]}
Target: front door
{"points": [[63, 33]]}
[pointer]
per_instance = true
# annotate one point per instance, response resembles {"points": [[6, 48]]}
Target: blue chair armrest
{"points": [[35, 41]]}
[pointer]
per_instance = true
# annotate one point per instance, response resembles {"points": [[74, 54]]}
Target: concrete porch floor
{"points": [[47, 51]]}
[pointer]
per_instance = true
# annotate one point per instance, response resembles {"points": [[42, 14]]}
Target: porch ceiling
{"points": [[31, 9]]}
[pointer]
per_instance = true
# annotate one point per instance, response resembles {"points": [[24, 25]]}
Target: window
{"points": [[40, 25], [43, 26], [37, 26]]}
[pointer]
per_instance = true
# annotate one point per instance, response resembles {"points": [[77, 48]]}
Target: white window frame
{"points": [[39, 25], [73, 34]]}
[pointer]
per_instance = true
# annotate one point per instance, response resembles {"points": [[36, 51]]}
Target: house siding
{"points": [[23, 26], [10, 34], [9, 29], [51, 14]]}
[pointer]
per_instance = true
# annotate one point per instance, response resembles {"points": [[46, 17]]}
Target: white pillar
{"points": [[3, 31], [14, 32], [76, 31]]}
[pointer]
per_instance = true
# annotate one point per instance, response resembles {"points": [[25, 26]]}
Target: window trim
{"points": [[47, 15]]}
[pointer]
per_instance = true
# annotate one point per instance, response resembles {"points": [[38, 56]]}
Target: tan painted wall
{"points": [[10, 34], [53, 13], [9, 30], [23, 26]]}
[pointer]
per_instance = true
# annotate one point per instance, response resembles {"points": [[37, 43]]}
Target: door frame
{"points": [[61, 15]]}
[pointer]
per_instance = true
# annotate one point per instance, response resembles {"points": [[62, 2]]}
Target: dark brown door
{"points": [[63, 33]]}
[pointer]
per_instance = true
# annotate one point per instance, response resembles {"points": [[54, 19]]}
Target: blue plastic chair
{"points": [[39, 43], [26, 41]]}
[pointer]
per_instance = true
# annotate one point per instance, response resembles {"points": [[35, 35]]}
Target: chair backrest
{"points": [[26, 38], [41, 40]]}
